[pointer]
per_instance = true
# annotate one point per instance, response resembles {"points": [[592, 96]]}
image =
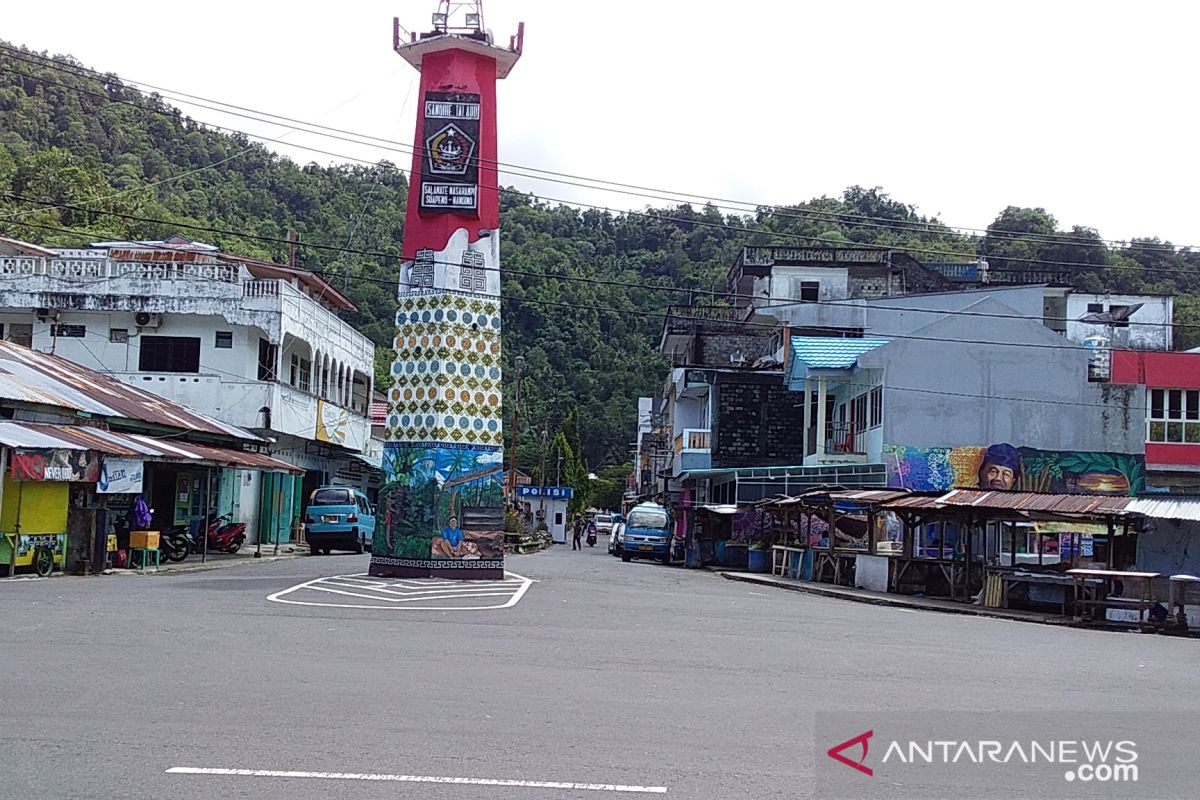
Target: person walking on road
{"points": [[577, 534]]}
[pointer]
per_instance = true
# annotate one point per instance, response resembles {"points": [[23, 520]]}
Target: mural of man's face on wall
{"points": [[1001, 468]]}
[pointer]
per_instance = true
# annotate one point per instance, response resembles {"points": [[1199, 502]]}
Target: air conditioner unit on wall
{"points": [[46, 314], [146, 320]]}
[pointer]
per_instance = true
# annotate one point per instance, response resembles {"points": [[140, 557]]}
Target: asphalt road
{"points": [[603, 673]]}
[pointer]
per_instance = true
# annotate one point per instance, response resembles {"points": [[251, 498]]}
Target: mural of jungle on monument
{"points": [[1005, 467], [421, 504]]}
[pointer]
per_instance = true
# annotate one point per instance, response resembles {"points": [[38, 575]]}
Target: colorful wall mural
{"points": [[1004, 467], [425, 503]]}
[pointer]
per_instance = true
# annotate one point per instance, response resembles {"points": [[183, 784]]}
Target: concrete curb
{"points": [[223, 564], [882, 600]]}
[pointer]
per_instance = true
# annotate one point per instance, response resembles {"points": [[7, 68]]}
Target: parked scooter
{"points": [[223, 534], [175, 543]]}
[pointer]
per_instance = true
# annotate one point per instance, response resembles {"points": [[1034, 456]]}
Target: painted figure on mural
{"points": [[449, 544], [1001, 468]]}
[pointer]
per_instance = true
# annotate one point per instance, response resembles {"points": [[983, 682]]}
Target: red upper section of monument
{"points": [[456, 71]]}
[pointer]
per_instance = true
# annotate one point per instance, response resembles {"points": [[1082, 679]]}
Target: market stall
{"points": [[1006, 548]]}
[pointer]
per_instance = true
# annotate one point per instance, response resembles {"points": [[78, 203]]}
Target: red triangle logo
{"points": [[835, 752]]}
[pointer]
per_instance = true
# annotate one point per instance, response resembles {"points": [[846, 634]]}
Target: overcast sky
{"points": [[959, 108]]}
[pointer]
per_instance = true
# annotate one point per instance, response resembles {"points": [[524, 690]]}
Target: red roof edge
{"points": [[308, 277]]}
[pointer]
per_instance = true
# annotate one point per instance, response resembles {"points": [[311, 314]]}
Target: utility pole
{"points": [[519, 361], [542, 474], [292, 239]]}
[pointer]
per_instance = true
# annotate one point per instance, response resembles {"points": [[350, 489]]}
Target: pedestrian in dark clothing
{"points": [[577, 535]]}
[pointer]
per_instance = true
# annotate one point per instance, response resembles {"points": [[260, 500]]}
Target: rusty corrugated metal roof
{"points": [[870, 496], [29, 376], [1033, 501], [915, 501], [38, 435], [1106, 505]]}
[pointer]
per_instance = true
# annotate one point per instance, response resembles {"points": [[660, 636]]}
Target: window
{"points": [[1174, 416], [267, 356], [68, 331], [654, 520], [118, 335], [860, 412], [810, 291], [1095, 308], [21, 333], [876, 406], [169, 354], [305, 375], [332, 497], [224, 340]]}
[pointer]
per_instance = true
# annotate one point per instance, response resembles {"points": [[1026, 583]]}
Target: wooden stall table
{"points": [[1011, 580], [1082, 603], [1178, 597], [954, 572], [781, 557], [840, 561]]}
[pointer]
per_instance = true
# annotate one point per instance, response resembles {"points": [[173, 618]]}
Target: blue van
{"points": [[647, 533], [339, 518]]}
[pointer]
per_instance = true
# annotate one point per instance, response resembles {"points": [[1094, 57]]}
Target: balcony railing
{"points": [[843, 437], [308, 320], [693, 440], [102, 268]]}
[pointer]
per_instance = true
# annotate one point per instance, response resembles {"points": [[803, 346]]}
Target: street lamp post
{"points": [[519, 362]]}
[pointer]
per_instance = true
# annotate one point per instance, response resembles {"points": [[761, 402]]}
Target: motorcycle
{"points": [[175, 544], [591, 537], [222, 533]]}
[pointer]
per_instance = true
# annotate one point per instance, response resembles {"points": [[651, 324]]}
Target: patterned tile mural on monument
{"points": [[446, 376], [1005, 467]]}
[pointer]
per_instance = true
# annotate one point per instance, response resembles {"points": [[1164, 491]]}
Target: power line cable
{"points": [[747, 370], [770, 301], [941, 253], [750, 207], [767, 326]]}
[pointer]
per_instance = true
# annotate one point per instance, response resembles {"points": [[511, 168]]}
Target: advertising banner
{"points": [[81, 466], [120, 476], [336, 425]]}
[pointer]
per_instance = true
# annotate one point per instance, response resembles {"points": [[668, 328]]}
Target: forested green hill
{"points": [[111, 155]]}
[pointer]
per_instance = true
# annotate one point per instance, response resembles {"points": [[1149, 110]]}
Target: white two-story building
{"points": [[254, 344]]}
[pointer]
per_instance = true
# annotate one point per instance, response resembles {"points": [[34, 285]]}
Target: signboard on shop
{"points": [[75, 466], [120, 476]]}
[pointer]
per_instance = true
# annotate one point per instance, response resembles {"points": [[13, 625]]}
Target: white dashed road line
{"points": [[423, 594], [385, 778]]}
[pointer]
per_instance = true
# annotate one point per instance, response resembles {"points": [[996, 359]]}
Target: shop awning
{"points": [[1166, 508], [44, 436]]}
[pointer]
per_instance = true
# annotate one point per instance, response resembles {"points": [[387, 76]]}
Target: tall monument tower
{"points": [[441, 508]]}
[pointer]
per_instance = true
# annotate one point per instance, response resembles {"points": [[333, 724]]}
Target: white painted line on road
{"points": [[390, 594], [415, 599], [368, 776]]}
